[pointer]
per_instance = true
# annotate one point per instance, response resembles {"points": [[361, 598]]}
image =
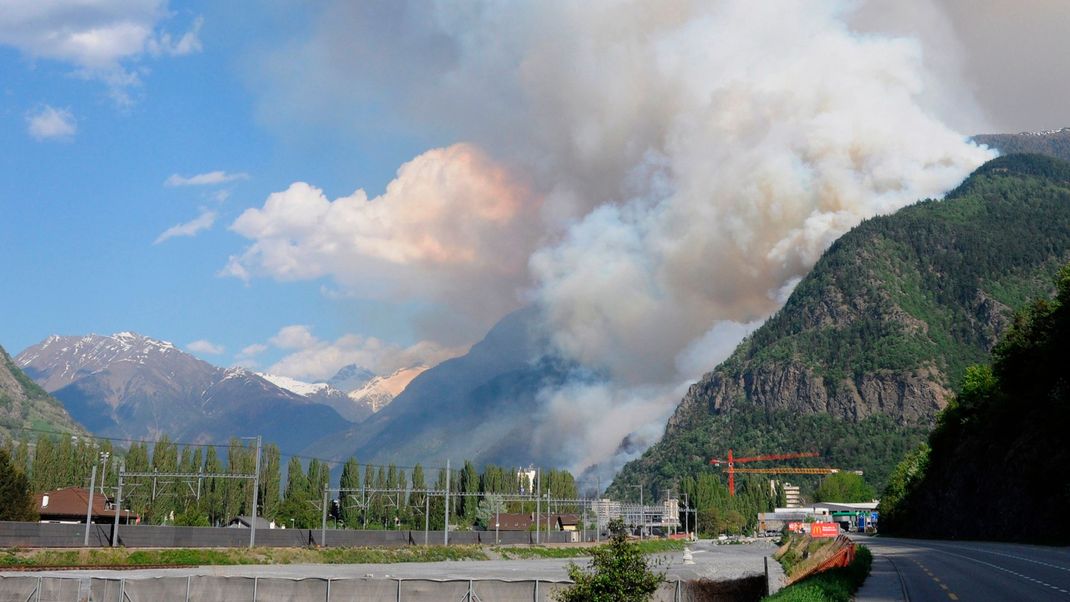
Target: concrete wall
{"points": [[48, 535], [265, 589]]}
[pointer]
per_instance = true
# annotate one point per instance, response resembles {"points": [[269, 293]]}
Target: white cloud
{"points": [[50, 123], [210, 178], [202, 222], [254, 349], [99, 38], [297, 336], [188, 43], [205, 347], [315, 360], [453, 227]]}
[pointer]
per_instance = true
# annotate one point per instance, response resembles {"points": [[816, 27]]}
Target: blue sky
{"points": [[82, 209], [657, 180]]}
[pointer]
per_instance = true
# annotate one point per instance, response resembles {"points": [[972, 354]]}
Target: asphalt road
{"points": [[925, 570]]}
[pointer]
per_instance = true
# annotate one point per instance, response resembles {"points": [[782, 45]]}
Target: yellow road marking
{"points": [[936, 579]]}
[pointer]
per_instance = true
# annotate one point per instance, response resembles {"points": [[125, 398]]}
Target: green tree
{"points": [[904, 479], [297, 503], [18, 503], [270, 482], [845, 487], [469, 502], [347, 507], [489, 508], [417, 498], [44, 464], [617, 572], [212, 488]]}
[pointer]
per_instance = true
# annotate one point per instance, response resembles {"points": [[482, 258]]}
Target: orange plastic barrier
{"points": [[842, 557]]}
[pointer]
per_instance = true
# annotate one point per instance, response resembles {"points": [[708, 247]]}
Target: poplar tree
{"points": [[416, 499], [270, 481], [469, 501], [347, 508], [212, 494]]}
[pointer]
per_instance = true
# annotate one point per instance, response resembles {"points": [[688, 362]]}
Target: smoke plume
{"points": [[684, 164]]}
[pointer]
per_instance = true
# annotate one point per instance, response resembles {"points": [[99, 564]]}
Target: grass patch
{"points": [[15, 557], [233, 556], [835, 585], [649, 546]]}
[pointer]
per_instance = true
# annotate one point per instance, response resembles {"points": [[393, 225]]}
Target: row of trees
{"points": [[371, 496]]}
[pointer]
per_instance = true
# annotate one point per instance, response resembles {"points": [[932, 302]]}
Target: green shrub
{"points": [[835, 585]]}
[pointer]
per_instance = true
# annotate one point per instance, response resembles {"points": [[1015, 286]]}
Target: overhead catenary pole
{"points": [[583, 519], [642, 513], [256, 495], [538, 495], [446, 525], [89, 505], [323, 525], [103, 469], [118, 505], [427, 517]]}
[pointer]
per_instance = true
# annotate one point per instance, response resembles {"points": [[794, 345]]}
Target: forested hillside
{"points": [[998, 466], [874, 341], [25, 405]]}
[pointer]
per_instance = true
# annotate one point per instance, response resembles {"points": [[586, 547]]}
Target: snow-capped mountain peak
{"points": [[295, 386]]}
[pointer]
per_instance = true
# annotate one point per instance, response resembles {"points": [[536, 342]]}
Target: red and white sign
{"points": [[824, 530], [795, 527]]}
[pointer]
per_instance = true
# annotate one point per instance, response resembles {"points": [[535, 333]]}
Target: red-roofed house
{"points": [[69, 505]]}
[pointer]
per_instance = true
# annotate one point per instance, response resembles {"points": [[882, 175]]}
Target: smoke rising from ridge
{"points": [[684, 165]]}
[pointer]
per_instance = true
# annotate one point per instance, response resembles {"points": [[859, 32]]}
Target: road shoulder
{"points": [[883, 583]]}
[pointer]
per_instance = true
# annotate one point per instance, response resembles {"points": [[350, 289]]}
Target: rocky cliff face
{"points": [[909, 398]]}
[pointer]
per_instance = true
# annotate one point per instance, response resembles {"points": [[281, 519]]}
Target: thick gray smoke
{"points": [[688, 162]]}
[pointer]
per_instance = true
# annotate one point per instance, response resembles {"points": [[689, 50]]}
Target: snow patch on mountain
{"points": [[295, 386]]}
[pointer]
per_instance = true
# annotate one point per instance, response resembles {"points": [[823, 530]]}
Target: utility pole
{"points": [[427, 516], [642, 512], [548, 515], [446, 531], [256, 495], [538, 496], [598, 515], [118, 505], [323, 527], [89, 506], [583, 519]]}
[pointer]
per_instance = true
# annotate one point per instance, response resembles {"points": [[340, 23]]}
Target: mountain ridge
{"points": [[884, 326], [133, 386]]}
